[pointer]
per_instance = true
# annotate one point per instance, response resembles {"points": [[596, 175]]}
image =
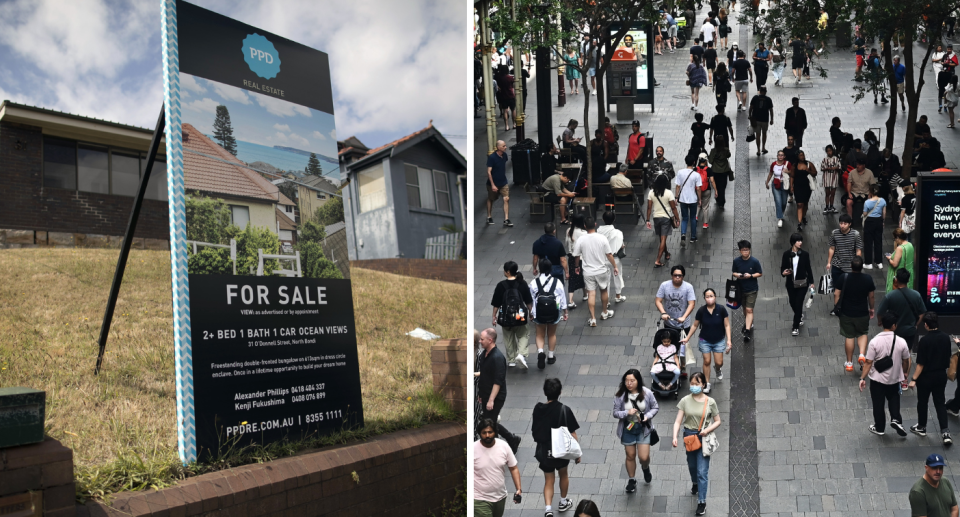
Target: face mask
{"points": [[696, 389]]}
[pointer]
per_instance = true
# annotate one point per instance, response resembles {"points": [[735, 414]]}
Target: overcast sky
{"points": [[395, 64]]}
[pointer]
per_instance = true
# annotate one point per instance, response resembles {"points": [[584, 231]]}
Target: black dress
{"points": [[801, 183]]}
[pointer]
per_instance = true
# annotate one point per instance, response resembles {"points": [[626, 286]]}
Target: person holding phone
{"points": [[798, 275], [885, 385], [634, 406], [489, 484]]}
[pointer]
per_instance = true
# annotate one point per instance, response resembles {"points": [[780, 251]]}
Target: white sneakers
{"points": [[868, 266], [605, 315], [522, 361], [880, 266], [779, 223]]}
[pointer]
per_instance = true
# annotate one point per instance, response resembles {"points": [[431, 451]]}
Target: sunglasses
{"points": [[677, 276]]}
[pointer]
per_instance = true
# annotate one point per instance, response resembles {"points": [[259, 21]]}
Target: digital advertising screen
{"points": [[938, 256], [636, 40], [265, 341]]}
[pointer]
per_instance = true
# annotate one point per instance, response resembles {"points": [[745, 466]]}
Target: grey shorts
{"points": [[662, 226], [750, 299], [672, 31], [594, 282], [741, 86]]}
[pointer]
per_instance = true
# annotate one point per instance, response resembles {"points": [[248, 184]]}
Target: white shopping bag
{"points": [[563, 446]]}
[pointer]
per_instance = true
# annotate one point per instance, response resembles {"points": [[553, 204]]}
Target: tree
{"points": [[209, 220], [223, 130], [312, 231], [331, 212], [314, 263], [313, 165]]}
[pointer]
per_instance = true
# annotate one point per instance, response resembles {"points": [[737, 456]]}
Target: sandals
{"points": [[657, 264], [666, 255]]}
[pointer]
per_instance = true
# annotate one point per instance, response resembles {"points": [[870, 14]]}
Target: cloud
{"points": [[230, 93], [289, 138], [207, 105], [283, 127], [189, 84], [282, 108], [333, 134], [319, 136]]}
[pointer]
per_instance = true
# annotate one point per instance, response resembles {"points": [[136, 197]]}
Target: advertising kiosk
{"points": [[937, 237]]}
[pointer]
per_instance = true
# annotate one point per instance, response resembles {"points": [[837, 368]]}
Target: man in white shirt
{"points": [[688, 183], [489, 486], [592, 252], [707, 31], [615, 238]]}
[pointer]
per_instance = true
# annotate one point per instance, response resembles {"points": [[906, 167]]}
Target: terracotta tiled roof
{"points": [[344, 150], [401, 140], [216, 177], [285, 222]]}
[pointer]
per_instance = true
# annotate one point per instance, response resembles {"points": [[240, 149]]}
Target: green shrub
{"points": [[314, 263], [210, 261]]}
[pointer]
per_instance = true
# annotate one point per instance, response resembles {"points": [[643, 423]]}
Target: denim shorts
{"points": [[631, 439], [717, 348]]}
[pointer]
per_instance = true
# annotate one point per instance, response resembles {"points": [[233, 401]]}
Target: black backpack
{"points": [[548, 310], [512, 309]]}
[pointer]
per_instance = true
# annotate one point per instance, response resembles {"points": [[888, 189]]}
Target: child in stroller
{"points": [[665, 369]]}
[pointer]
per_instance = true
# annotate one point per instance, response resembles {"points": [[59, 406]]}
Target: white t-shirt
{"points": [[592, 249], [488, 474], [937, 67], [691, 187], [613, 235], [661, 211], [707, 30], [568, 242]]}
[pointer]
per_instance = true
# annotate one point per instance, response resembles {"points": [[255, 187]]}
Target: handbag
{"points": [[710, 444], [673, 220], [563, 445], [863, 218], [910, 222], [952, 369], [733, 294], [826, 285], [692, 442], [621, 253], [886, 363]]}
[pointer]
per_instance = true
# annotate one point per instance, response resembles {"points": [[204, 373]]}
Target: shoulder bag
{"points": [[563, 445], [886, 363], [863, 218], [692, 442], [673, 220]]}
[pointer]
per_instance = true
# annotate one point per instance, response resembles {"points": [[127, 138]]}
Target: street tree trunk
{"points": [[913, 95]]}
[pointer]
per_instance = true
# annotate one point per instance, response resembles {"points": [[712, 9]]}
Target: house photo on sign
{"points": [[265, 338]]}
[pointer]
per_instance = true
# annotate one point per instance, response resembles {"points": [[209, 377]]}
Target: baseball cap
{"points": [[935, 460]]}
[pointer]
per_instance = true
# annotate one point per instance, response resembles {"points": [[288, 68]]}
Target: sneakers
{"points": [[779, 223], [946, 438], [953, 413], [861, 360], [514, 443], [707, 388], [511, 365], [586, 297], [647, 476], [701, 508], [898, 427], [619, 299], [605, 315], [547, 514], [746, 334], [489, 220], [565, 504], [799, 228], [848, 367], [507, 224], [705, 226], [880, 266], [694, 489], [917, 430], [873, 429], [683, 240], [551, 360], [868, 266], [826, 210], [571, 306], [522, 361], [631, 486], [795, 332], [693, 240], [591, 323], [541, 360], [719, 374]]}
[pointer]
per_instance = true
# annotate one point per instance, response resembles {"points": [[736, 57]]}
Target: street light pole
{"points": [[517, 80], [488, 101]]}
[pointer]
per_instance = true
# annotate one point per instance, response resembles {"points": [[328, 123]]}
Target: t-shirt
{"points": [[760, 107], [620, 181], [551, 415], [697, 50], [749, 266], [493, 370], [720, 123], [554, 184], [592, 249], [504, 285], [675, 301], [878, 348], [707, 31], [908, 203], [932, 502], [860, 45], [636, 144], [905, 303], [845, 246], [921, 129], [856, 288], [741, 69], [874, 208], [710, 55], [933, 352], [797, 47], [549, 247], [689, 188], [666, 198], [613, 236], [860, 183], [488, 475], [498, 168], [900, 71], [693, 412], [711, 325], [699, 129]]}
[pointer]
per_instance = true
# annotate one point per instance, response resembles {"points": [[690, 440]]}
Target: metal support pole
{"points": [[518, 80], [561, 92], [128, 240], [544, 105], [488, 100]]}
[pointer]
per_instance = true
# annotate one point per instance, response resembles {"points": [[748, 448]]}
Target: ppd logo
{"points": [[261, 56]]}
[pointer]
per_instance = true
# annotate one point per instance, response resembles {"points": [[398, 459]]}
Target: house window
{"points": [[443, 191], [241, 215], [321, 195], [373, 188], [287, 208], [427, 189], [157, 187], [59, 163], [93, 169], [125, 177]]}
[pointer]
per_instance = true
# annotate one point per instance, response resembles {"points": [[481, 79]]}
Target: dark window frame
{"points": [[110, 149]]}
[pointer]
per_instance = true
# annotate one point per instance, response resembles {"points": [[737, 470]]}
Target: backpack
{"points": [[512, 313], [548, 308]]}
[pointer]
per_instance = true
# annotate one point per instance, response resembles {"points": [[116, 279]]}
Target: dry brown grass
{"points": [[51, 306]]}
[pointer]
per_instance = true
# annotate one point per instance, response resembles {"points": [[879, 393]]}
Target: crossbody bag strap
{"points": [[661, 205], [704, 417], [908, 303], [843, 291]]}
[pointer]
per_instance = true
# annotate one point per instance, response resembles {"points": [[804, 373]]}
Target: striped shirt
{"points": [[845, 247]]}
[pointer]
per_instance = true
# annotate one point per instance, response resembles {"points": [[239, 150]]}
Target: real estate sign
{"points": [[263, 322]]}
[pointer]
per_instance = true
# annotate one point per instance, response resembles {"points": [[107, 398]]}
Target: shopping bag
{"points": [[563, 446], [710, 444], [826, 285], [750, 133]]}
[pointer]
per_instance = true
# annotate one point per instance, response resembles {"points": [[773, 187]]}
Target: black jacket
{"points": [[795, 121], [804, 271]]}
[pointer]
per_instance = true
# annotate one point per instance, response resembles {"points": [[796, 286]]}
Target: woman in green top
{"points": [[902, 257], [698, 414], [573, 75]]}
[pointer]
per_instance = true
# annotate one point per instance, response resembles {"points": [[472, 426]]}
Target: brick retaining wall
{"points": [[407, 473], [446, 270], [46, 468], [449, 365]]}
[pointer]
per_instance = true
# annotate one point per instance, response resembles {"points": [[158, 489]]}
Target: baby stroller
{"points": [[666, 376]]}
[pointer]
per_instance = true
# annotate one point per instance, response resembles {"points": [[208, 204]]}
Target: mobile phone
{"points": [[517, 498]]}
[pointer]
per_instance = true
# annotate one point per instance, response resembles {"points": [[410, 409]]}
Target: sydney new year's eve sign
{"points": [[259, 357]]}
